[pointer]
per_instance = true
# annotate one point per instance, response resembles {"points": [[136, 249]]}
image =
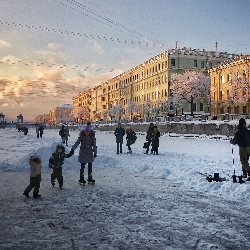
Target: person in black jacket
{"points": [[150, 134], [242, 139], [119, 133], [155, 140], [56, 162], [131, 138]]}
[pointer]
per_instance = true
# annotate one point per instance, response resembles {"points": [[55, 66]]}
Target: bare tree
{"points": [[190, 85], [148, 107], [132, 108], [117, 111]]}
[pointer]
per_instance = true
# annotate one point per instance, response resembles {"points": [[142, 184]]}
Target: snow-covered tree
{"points": [[148, 107], [132, 108], [239, 89], [117, 111], [81, 113], [190, 85]]}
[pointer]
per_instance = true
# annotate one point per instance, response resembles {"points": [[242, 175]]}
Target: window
{"points": [[210, 64], [195, 63], [202, 64], [194, 107], [172, 62], [201, 106]]}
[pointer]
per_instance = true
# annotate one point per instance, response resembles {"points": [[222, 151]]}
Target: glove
{"points": [[95, 155], [71, 152], [50, 166]]}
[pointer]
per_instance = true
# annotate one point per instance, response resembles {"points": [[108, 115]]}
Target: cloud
{"points": [[54, 46], [4, 44], [97, 48]]}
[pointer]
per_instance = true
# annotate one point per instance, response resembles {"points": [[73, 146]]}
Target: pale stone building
{"points": [[141, 91], [224, 80], [61, 114]]}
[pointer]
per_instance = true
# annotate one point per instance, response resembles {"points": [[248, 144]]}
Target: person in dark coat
{"points": [[62, 133], [155, 140], [35, 176], [87, 153], [119, 133], [242, 139], [66, 134], [131, 138], [41, 128], [150, 134], [56, 163]]}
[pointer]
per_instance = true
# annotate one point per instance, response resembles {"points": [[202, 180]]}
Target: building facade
{"points": [[230, 86], [61, 114], [143, 90]]}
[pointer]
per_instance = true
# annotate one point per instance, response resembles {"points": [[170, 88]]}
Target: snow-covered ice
{"points": [[139, 201]]}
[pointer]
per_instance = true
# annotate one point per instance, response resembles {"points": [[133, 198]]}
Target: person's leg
{"points": [[29, 187], [243, 151], [82, 173], [60, 177], [117, 149], [36, 188], [90, 171], [120, 148]]}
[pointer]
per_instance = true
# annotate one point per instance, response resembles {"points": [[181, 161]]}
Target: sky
{"points": [[51, 50], [138, 202]]}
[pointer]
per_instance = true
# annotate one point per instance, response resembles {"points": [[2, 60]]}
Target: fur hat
{"points": [[35, 159], [87, 128]]}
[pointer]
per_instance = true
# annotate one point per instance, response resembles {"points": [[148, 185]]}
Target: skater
{"points": [[155, 140], [56, 163], [41, 128], [87, 153], [37, 132], [35, 176], [149, 136], [119, 133], [242, 139], [66, 134], [131, 138], [62, 133]]}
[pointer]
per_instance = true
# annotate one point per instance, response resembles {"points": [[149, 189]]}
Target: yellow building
{"points": [[61, 114], [143, 90], [230, 86]]}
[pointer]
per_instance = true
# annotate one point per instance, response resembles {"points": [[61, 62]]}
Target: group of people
{"points": [[87, 153], [39, 131], [152, 138]]}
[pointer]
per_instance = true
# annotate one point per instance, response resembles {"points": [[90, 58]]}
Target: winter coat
{"points": [[119, 133], [66, 129], [155, 140], [41, 130], [131, 137], [241, 137], [57, 159], [35, 167], [150, 134], [88, 147], [62, 132]]}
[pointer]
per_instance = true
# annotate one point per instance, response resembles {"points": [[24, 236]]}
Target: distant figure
{"points": [[41, 128], [131, 138], [62, 133], [37, 132], [67, 135], [242, 139], [149, 136], [25, 130], [56, 163], [119, 133], [155, 140], [35, 176]]}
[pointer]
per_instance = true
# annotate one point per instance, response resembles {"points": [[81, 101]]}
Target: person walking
{"points": [[119, 133], [87, 153], [41, 128], [35, 176], [242, 139], [131, 138], [155, 140], [150, 134], [62, 133], [56, 163], [66, 128], [37, 132]]}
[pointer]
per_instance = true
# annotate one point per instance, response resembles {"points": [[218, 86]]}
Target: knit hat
{"points": [[87, 128], [35, 156]]}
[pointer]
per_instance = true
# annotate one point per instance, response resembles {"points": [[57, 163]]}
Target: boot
{"points": [[146, 152], [26, 194], [90, 180], [234, 178], [130, 151], [248, 179], [82, 181], [36, 195], [240, 180]]}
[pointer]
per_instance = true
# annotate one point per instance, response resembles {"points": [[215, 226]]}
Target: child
{"points": [[155, 140], [56, 162], [35, 176]]}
